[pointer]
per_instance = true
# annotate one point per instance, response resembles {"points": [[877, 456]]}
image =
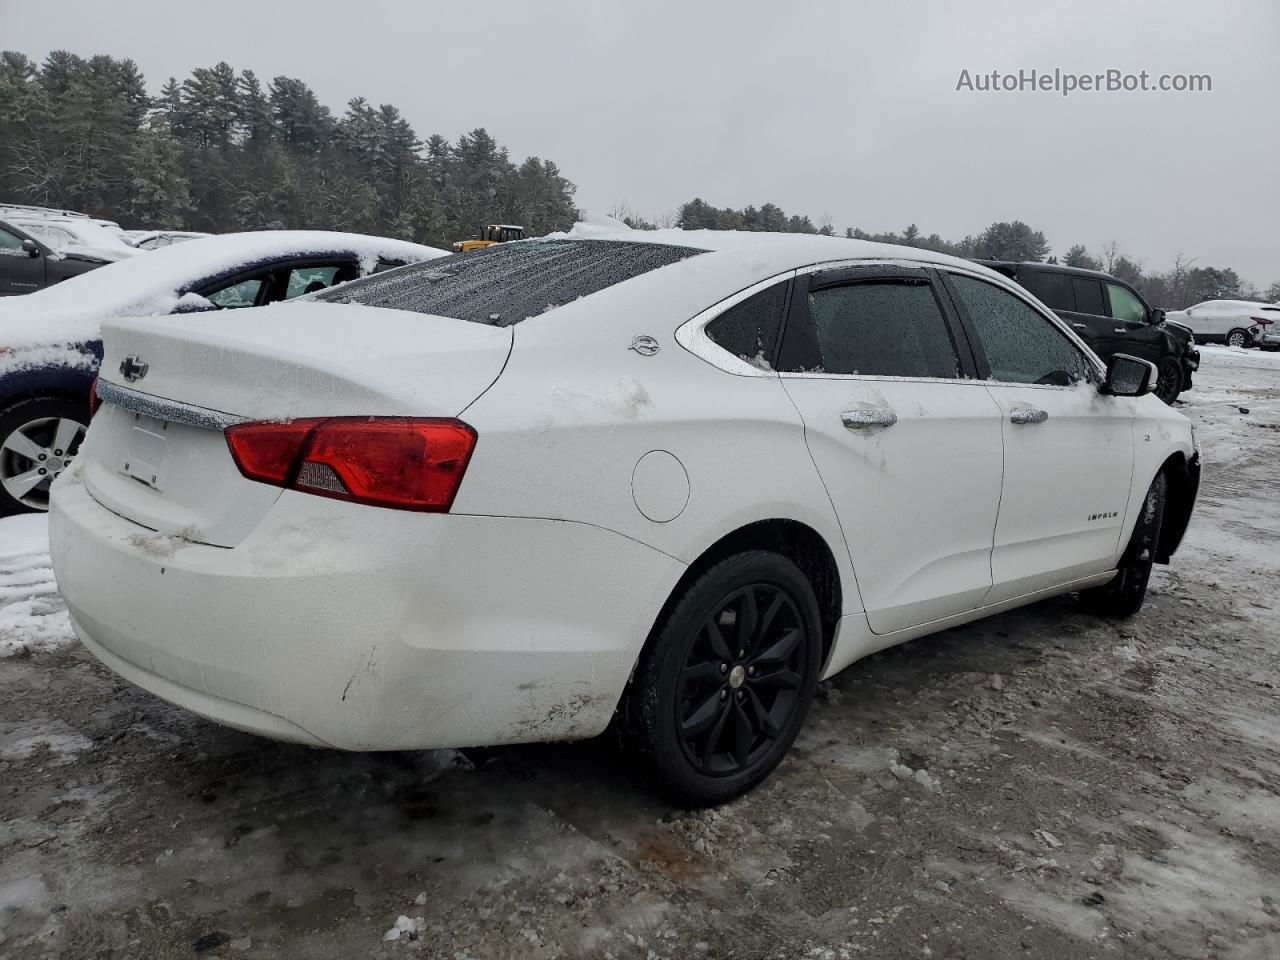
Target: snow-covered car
{"points": [[50, 342], [78, 236], [666, 480], [155, 239], [1237, 323]]}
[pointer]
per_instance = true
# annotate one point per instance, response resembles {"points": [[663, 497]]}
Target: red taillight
{"points": [[408, 463], [1262, 320], [94, 402]]}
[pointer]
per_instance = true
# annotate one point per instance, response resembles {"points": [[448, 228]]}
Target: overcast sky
{"points": [[848, 109]]}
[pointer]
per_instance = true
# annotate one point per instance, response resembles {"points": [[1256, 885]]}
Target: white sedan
{"points": [[666, 481]]}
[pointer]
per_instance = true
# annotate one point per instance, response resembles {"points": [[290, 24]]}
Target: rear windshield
{"points": [[509, 282]]}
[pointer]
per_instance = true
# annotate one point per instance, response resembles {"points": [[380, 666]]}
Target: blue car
{"points": [[50, 344]]}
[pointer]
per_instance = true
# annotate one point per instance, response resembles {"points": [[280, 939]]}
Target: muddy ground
{"points": [[1044, 784]]}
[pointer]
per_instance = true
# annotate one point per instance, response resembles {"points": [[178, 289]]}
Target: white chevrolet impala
{"points": [[665, 481]]}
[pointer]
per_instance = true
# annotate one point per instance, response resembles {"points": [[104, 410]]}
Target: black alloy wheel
{"points": [[726, 679]]}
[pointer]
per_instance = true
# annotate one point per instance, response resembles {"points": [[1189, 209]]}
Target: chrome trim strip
{"points": [[162, 408]]}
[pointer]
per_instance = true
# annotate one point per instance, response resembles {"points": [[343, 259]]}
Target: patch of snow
{"points": [[405, 926], [32, 616]]}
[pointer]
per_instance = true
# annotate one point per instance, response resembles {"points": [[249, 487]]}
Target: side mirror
{"points": [[194, 303], [1156, 318], [32, 248], [1129, 377]]}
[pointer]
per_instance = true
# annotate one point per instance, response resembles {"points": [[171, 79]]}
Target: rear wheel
{"points": [[1124, 596], [38, 438], [724, 686], [1169, 380], [1237, 338]]}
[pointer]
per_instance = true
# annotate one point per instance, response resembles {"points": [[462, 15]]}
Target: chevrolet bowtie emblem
{"points": [[133, 368]]}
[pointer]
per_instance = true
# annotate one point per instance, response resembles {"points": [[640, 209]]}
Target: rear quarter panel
{"points": [[562, 431]]}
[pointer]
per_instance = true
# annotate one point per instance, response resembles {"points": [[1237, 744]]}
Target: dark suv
{"points": [[27, 265], [1111, 317]]}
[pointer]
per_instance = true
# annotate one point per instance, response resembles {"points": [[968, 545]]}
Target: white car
{"points": [[1237, 323], [666, 480], [79, 235]]}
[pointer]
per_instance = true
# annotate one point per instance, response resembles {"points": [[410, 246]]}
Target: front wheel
{"points": [[1124, 596], [1169, 380], [1237, 338], [727, 679], [38, 438]]}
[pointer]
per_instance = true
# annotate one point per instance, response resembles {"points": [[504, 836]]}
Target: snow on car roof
{"points": [[153, 283], [786, 250]]}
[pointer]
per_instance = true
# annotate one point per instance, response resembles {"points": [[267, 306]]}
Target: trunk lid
{"points": [[156, 453]]}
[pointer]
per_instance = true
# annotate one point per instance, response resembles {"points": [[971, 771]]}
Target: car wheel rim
{"points": [[1235, 340], [740, 683], [1167, 385], [34, 454]]}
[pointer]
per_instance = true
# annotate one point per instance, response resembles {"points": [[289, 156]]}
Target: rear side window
{"points": [[1088, 296], [1052, 289], [749, 330], [504, 284], [1021, 345], [880, 328]]}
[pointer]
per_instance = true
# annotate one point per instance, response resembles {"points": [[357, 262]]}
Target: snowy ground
{"points": [[1088, 790]]}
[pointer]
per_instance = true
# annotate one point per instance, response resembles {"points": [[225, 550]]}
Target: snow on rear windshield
{"points": [[507, 283]]}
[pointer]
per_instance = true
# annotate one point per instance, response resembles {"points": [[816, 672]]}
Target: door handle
{"points": [[1120, 330], [1080, 326], [876, 417], [1028, 415]]}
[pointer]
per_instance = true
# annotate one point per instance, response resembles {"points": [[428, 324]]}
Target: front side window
{"points": [[1021, 345], [1126, 306], [242, 294], [880, 328], [10, 242], [749, 330]]}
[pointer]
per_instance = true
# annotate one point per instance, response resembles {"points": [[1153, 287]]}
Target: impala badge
{"points": [[644, 345], [133, 368]]}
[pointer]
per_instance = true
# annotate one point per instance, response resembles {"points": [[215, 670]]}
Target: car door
{"points": [[1131, 329], [20, 270], [1068, 449], [906, 441]]}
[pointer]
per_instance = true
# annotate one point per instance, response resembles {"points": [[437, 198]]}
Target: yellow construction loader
{"points": [[493, 233]]}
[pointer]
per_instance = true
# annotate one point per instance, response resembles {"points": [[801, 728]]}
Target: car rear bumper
{"points": [[340, 625]]}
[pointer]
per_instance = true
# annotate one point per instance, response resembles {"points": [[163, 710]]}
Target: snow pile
{"points": [[32, 616], [72, 311]]}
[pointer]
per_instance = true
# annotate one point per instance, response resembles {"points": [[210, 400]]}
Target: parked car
{"points": [[666, 481], [50, 343], [155, 239], [78, 236], [1112, 317], [1237, 323], [28, 265]]}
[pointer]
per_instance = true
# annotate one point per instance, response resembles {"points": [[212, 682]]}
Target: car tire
{"points": [[1169, 380], [28, 425], [719, 694], [1238, 338], [1124, 595]]}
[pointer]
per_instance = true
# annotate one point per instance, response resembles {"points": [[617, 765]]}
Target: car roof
{"points": [[1002, 265], [776, 251]]}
